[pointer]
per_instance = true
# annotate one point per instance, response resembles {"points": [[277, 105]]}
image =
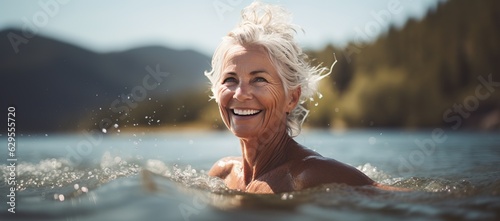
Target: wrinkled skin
{"points": [[254, 104]]}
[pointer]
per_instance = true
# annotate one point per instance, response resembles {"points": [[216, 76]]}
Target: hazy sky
{"points": [[113, 25]]}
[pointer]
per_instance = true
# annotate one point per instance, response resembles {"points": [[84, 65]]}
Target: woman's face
{"points": [[252, 99]]}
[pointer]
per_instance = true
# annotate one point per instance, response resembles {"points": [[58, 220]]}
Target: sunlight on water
{"points": [[53, 187], [187, 176], [57, 175]]}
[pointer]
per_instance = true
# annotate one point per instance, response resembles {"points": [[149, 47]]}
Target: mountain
{"points": [[54, 85]]}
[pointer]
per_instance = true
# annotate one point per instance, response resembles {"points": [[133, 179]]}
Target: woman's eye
{"points": [[260, 79], [229, 80]]}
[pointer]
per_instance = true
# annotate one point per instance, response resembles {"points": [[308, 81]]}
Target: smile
{"points": [[245, 112]]}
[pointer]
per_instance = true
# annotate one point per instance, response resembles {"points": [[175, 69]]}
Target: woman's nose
{"points": [[243, 92]]}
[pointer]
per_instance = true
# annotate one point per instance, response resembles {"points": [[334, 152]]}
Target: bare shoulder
{"points": [[315, 170], [222, 168]]}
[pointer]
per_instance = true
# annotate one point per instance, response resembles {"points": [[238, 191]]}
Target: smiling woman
{"points": [[260, 77]]}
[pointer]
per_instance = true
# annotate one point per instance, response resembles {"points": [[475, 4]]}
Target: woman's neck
{"points": [[263, 154]]}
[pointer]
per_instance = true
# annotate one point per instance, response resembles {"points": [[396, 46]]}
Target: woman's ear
{"points": [[294, 98]]}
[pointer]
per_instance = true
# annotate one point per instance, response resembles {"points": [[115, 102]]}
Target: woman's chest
{"points": [[275, 181]]}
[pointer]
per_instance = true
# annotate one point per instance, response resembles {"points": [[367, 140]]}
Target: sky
{"points": [[116, 25]]}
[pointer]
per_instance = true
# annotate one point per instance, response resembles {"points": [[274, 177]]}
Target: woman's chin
{"points": [[244, 131], [246, 126]]}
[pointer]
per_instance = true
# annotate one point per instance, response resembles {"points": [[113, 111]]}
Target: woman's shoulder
{"points": [[314, 170], [223, 167]]}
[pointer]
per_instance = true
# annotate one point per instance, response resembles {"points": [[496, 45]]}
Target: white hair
{"points": [[270, 27]]}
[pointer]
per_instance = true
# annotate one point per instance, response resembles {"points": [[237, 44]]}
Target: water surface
{"points": [[162, 176]]}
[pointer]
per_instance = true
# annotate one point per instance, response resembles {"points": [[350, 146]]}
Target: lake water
{"points": [[162, 176]]}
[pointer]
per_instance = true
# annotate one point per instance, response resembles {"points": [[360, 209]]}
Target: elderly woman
{"points": [[259, 79]]}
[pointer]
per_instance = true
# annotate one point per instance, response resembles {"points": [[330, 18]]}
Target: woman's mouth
{"points": [[245, 112]]}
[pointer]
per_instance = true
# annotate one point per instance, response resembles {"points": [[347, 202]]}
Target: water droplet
{"points": [[316, 104], [104, 130], [372, 140], [61, 197], [76, 186], [286, 196], [85, 189], [115, 125], [118, 131], [320, 95], [46, 135]]}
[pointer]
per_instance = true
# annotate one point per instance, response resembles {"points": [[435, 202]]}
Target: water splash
{"points": [[118, 179], [374, 173], [187, 176]]}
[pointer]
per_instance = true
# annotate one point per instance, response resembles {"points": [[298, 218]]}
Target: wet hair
{"points": [[270, 27]]}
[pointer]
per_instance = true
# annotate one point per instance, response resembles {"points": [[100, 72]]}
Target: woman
{"points": [[259, 79]]}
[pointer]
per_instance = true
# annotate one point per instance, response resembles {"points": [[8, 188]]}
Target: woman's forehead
{"points": [[252, 55]]}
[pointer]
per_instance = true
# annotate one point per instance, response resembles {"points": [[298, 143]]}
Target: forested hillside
{"points": [[425, 74]]}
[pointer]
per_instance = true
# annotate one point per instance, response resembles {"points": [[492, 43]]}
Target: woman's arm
{"points": [[316, 170], [223, 167]]}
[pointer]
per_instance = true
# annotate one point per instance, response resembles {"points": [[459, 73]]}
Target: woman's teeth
{"points": [[243, 112]]}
